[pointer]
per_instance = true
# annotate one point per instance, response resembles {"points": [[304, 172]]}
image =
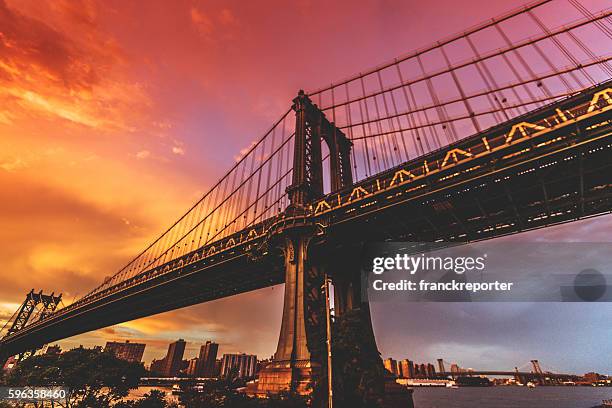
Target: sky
{"points": [[116, 116]]}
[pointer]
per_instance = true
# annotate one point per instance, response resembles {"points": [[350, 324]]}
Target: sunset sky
{"points": [[116, 116]]}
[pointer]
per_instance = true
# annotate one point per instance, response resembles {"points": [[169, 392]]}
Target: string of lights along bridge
{"points": [[500, 129]]}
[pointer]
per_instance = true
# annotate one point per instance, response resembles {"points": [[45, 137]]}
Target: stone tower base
{"points": [[284, 376]]}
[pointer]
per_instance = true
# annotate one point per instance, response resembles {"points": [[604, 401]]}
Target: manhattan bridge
{"points": [[500, 129]]}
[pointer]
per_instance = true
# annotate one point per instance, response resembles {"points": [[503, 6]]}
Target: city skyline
{"points": [[199, 346], [393, 364], [144, 116]]}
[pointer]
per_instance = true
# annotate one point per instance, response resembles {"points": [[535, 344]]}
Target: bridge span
{"points": [[549, 175]]}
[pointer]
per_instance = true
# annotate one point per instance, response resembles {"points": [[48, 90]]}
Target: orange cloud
{"points": [[201, 21], [73, 206], [217, 23], [178, 150], [46, 72], [226, 16]]}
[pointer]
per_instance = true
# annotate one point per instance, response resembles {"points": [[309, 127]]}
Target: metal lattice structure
{"points": [[35, 307]]}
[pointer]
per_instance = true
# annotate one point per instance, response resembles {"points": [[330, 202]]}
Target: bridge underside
{"points": [[195, 284], [557, 187]]}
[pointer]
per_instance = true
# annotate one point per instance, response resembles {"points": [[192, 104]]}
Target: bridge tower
{"points": [[299, 362], [518, 377], [43, 304], [536, 367], [539, 374], [46, 304], [299, 359], [311, 129]]}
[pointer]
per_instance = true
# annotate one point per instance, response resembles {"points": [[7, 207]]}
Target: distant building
{"points": [[207, 359], [406, 368], [126, 351], [192, 367], [593, 377], [391, 366], [218, 364], [184, 366], [174, 358], [422, 370], [242, 365], [431, 370], [410, 370], [157, 366]]}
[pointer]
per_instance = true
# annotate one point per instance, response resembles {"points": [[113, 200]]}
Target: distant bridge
{"points": [[524, 374], [536, 373]]}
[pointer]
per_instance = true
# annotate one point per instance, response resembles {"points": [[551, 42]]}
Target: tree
{"points": [[153, 399], [95, 379], [217, 394]]}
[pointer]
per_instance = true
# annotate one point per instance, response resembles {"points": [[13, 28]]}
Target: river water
{"points": [[483, 397], [511, 397]]}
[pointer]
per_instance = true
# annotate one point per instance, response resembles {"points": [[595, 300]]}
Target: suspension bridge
{"points": [[501, 129], [532, 371]]}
